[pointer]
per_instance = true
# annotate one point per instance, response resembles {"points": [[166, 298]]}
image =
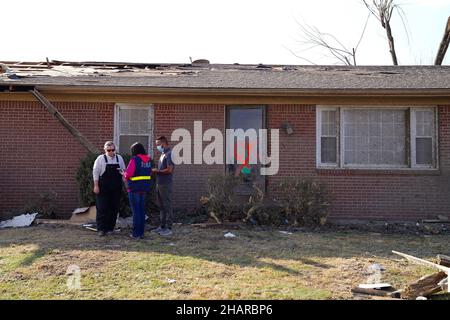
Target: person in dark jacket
{"points": [[138, 176]]}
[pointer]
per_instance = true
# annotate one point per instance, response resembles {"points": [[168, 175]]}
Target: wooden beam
{"points": [[443, 260], [423, 262], [73, 131]]}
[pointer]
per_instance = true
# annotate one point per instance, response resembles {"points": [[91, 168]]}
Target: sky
{"points": [[232, 31]]}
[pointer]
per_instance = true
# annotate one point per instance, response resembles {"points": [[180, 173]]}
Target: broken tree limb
{"points": [[443, 45], [73, 131], [425, 286], [423, 262]]}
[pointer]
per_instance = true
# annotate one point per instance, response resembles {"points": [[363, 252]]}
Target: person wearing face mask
{"points": [[164, 175], [108, 187]]}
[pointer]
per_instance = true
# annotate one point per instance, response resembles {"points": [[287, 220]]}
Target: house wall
{"points": [[39, 156], [363, 194]]}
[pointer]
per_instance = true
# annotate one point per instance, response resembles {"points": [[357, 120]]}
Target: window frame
{"points": [[132, 106], [434, 138], [409, 138], [319, 162]]}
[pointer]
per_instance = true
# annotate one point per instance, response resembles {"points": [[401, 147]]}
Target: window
{"points": [[397, 137], [133, 123], [422, 138]]}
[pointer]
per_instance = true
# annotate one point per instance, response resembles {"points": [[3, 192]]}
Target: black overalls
{"points": [[108, 200]]}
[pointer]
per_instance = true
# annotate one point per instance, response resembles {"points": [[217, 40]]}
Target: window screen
{"points": [[134, 126], [328, 137], [374, 137], [424, 137]]}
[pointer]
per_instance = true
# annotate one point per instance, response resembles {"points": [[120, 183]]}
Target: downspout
{"points": [[73, 131]]}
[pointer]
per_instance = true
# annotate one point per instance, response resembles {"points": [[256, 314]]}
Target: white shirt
{"points": [[100, 165]]}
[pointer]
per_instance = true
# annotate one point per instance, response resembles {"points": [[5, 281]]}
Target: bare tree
{"points": [[383, 10], [313, 38], [444, 45]]}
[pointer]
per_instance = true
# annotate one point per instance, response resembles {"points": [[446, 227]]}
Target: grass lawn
{"points": [[200, 263]]}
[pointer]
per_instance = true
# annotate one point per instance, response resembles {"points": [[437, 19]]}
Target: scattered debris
{"points": [[375, 286], [419, 290], [23, 220], [443, 260], [429, 284], [171, 280], [440, 219], [229, 235], [375, 267], [57, 222], [86, 214], [382, 292], [425, 286], [90, 226], [286, 232]]}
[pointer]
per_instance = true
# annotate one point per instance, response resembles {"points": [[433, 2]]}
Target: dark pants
{"points": [[108, 202], [137, 203], [165, 204]]}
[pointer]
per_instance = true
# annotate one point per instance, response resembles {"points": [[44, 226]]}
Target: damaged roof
{"points": [[202, 75]]}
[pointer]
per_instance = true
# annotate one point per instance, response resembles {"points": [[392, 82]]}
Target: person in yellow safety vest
{"points": [[138, 176]]}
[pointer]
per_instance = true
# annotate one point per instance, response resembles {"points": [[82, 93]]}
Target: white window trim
{"points": [[434, 148], [319, 136], [340, 140], [121, 106]]}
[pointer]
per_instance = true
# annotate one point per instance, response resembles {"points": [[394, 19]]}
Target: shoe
{"points": [[165, 232], [134, 237], [101, 233], [157, 230]]}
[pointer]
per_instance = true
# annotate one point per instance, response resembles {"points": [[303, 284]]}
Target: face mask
{"points": [[160, 149]]}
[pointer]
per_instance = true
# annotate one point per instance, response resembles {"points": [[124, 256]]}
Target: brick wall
{"points": [[38, 155], [396, 195], [189, 180]]}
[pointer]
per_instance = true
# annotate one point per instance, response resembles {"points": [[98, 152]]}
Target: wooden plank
{"points": [[422, 262], [443, 260], [375, 286], [425, 286], [75, 133]]}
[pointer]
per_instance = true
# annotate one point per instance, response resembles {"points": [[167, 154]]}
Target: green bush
{"points": [[86, 186]]}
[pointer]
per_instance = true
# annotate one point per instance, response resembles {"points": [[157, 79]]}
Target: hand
{"points": [[96, 190], [154, 170]]}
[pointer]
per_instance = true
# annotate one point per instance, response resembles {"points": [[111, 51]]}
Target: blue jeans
{"points": [[137, 203]]}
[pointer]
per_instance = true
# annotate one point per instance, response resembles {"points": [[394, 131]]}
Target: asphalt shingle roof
{"points": [[221, 76]]}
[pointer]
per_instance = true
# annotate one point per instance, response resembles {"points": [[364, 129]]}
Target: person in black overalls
{"points": [[109, 192]]}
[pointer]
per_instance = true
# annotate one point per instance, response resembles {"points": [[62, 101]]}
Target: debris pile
{"points": [[418, 290]]}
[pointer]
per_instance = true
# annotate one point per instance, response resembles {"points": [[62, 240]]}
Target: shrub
{"points": [[221, 202], [305, 202], [86, 186]]}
